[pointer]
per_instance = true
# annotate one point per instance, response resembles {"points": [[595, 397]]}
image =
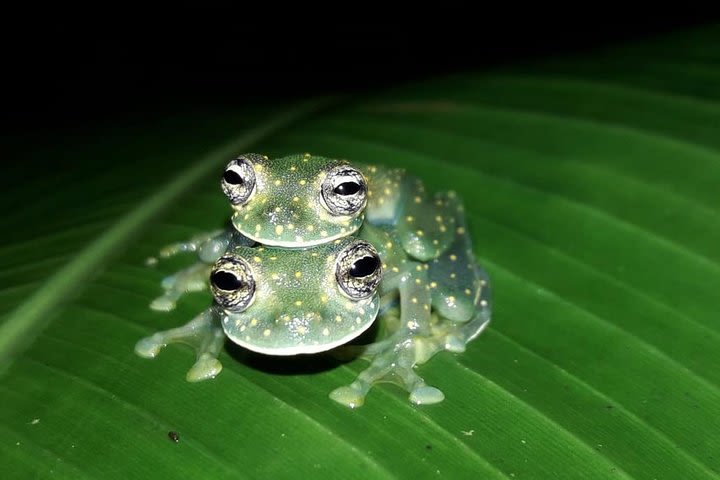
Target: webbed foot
{"points": [[203, 333], [206, 367], [395, 363], [426, 395], [349, 396], [191, 279]]}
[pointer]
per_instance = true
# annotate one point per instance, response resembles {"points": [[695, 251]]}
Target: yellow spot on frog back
{"points": [[302, 181], [279, 229], [254, 322], [278, 182], [266, 332], [257, 259], [298, 274], [298, 303], [326, 332]]}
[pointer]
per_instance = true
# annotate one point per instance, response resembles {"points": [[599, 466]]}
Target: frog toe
{"points": [[348, 396], [205, 368], [455, 344], [426, 395], [148, 347], [163, 304]]}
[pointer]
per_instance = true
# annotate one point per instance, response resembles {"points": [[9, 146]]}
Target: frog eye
{"points": [[358, 270], [232, 283], [344, 191], [238, 180]]}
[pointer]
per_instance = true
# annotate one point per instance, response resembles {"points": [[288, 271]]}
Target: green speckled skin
{"points": [[298, 307], [285, 208]]}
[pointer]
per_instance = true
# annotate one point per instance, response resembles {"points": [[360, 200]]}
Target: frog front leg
{"points": [[191, 245], [395, 355], [204, 333], [391, 361], [209, 247]]}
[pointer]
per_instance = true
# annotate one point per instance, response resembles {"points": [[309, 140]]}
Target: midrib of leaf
{"points": [[30, 317]]}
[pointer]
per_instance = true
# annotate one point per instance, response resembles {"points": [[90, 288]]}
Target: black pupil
{"points": [[364, 267], [225, 281], [347, 188], [232, 177]]}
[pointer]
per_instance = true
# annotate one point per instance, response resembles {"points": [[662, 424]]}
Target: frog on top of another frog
{"points": [[303, 200]]}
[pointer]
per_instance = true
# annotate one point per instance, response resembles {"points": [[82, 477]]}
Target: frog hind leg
{"points": [[460, 334], [455, 277], [426, 225], [204, 333]]}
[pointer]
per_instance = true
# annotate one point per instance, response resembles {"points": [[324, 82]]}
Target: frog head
{"points": [[281, 301], [295, 201]]}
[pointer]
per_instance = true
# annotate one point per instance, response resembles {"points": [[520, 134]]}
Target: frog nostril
{"points": [[225, 281]]}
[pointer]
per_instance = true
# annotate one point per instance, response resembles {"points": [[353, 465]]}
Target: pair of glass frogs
{"points": [[319, 250]]}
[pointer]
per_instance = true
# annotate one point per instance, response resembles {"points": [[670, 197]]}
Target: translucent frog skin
{"points": [[280, 301], [299, 201]]}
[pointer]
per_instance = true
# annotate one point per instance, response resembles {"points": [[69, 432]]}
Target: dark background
{"points": [[61, 73]]}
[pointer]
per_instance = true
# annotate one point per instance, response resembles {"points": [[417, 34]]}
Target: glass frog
{"points": [[292, 301], [302, 200]]}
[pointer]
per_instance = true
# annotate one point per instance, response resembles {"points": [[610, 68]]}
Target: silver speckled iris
{"points": [[359, 270], [232, 283]]}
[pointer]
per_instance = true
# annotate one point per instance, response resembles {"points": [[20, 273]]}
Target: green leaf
{"points": [[591, 190]]}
